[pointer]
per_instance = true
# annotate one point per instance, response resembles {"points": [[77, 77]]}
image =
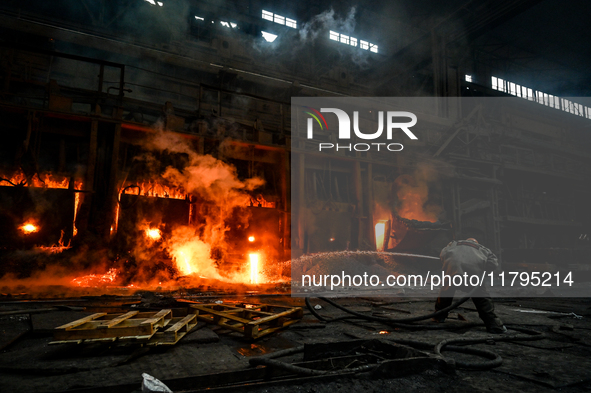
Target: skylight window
{"points": [[199, 18], [228, 24], [153, 2], [268, 15], [468, 78], [268, 36], [540, 97], [279, 19], [348, 40]]}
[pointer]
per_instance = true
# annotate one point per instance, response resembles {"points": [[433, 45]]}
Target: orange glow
{"points": [[95, 280], [384, 332], [251, 238], [380, 232], [153, 233], [76, 204], [260, 201], [254, 268], [331, 239], [56, 248], [44, 180], [29, 228], [153, 189]]}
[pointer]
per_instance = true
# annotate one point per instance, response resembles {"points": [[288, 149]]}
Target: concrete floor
{"points": [[561, 361]]}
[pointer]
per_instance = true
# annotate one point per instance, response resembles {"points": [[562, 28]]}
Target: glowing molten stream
{"points": [[254, 268], [153, 233], [251, 238], [380, 231], [29, 228]]}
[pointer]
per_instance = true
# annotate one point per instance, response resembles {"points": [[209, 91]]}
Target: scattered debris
{"points": [[152, 385]]}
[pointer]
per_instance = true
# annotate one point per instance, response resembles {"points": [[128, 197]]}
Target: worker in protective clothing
{"points": [[467, 256]]}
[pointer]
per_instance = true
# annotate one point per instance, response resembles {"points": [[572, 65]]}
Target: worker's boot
{"points": [[486, 312]]}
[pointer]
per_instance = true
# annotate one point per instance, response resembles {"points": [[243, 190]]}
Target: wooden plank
{"points": [[282, 314], [81, 321], [219, 314], [177, 331], [103, 333], [118, 320], [158, 319]]}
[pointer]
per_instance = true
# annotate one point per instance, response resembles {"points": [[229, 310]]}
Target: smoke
{"points": [[218, 191], [191, 254], [320, 24], [413, 194]]}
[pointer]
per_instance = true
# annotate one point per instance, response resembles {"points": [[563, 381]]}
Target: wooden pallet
{"points": [[109, 327], [253, 322], [180, 327]]}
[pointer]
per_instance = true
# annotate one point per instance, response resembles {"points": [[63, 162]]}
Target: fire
{"points": [[41, 180], [29, 228], [380, 232], [153, 233], [254, 268], [95, 280], [260, 201], [186, 267], [413, 195], [251, 239], [384, 332], [57, 248], [153, 189], [76, 204]]}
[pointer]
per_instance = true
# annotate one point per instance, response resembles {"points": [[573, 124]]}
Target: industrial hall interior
{"points": [[161, 200]]}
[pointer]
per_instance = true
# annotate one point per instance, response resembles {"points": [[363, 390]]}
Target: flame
{"points": [[116, 223], [28, 228], [260, 201], [380, 232], [154, 189], [254, 268], [251, 239], [76, 204], [56, 248], [94, 280], [41, 180], [153, 233], [384, 332], [187, 266], [413, 195]]}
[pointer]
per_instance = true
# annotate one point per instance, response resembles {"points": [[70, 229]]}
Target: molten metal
{"points": [[251, 238], [28, 228], [380, 231], [254, 268], [153, 233], [95, 280]]}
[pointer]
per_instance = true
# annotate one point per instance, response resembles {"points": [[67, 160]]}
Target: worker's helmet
{"points": [[472, 240]]}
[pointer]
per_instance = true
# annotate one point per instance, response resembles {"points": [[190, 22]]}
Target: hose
{"points": [[269, 361], [495, 360]]}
